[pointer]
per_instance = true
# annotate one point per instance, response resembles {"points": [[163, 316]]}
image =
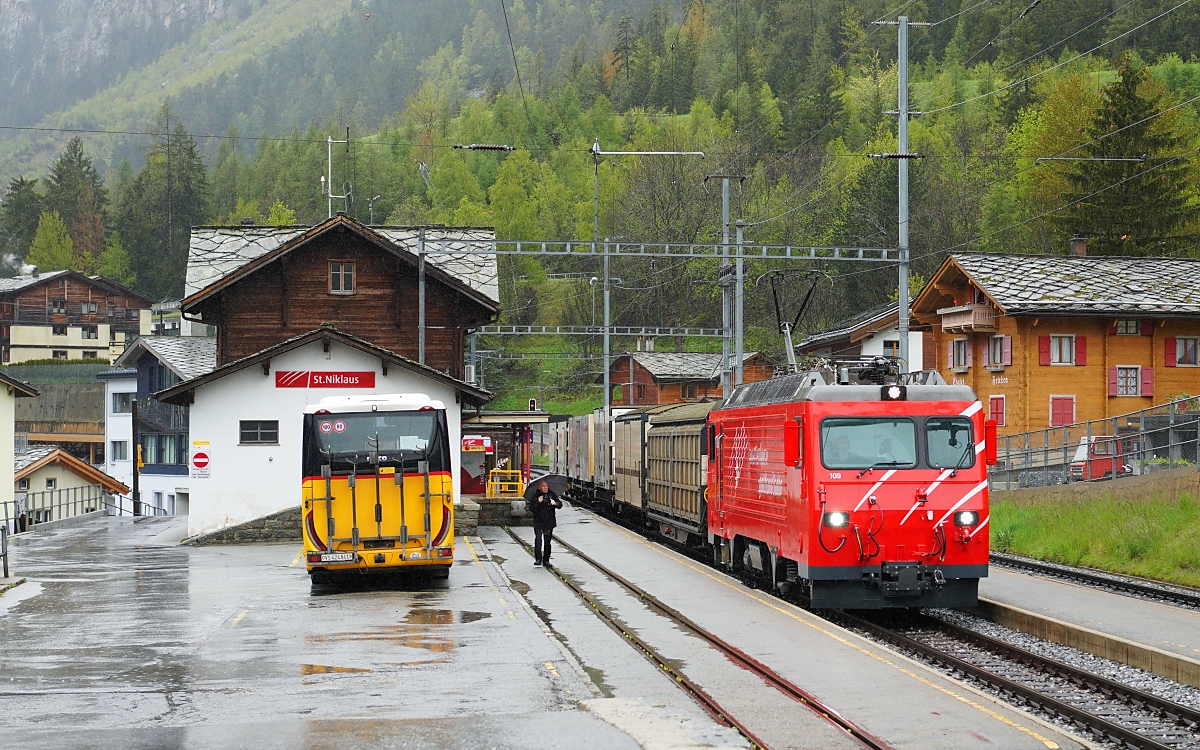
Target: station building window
{"points": [[57, 330], [341, 277], [122, 403], [1129, 327], [58, 354], [259, 432], [687, 390]]}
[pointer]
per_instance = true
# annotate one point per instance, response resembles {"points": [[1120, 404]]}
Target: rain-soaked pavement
{"points": [[123, 638]]}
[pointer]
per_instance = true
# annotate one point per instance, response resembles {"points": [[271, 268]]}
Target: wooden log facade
{"points": [[341, 273], [67, 315]]}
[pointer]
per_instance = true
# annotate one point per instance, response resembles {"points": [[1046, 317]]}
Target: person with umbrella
{"points": [[542, 507]]}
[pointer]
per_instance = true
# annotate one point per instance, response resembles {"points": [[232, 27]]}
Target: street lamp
{"points": [[371, 207]]}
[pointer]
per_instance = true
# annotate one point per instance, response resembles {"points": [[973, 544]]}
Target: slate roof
{"points": [[683, 365], [17, 283], [848, 328], [216, 252], [33, 455], [186, 356], [1071, 285]]}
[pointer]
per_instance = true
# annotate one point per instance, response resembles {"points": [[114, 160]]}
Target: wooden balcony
{"points": [[968, 318]]}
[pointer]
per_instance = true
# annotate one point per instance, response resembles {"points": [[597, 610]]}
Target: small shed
{"points": [[651, 378]]}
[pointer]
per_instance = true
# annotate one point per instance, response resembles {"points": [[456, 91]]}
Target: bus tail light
{"points": [[445, 552]]}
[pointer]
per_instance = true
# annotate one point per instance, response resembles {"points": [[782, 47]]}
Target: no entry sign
{"points": [[200, 460]]}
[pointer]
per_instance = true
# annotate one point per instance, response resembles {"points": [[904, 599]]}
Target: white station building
{"points": [[246, 418]]}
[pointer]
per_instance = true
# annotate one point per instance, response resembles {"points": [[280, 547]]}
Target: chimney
{"points": [[1078, 245], [33, 271]]}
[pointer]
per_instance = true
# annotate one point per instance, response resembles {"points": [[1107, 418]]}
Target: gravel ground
{"points": [[1150, 683], [1132, 676]]}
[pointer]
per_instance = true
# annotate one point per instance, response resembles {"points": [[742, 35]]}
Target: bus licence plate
{"points": [[332, 557]]}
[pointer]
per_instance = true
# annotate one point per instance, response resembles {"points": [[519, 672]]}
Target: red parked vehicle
{"points": [[1098, 457]]}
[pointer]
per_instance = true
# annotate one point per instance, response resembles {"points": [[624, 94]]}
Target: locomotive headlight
{"points": [[966, 518], [837, 519]]}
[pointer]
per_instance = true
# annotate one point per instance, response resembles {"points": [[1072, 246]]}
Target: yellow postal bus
{"points": [[377, 494]]}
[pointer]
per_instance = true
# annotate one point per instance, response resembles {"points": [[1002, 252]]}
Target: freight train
{"points": [[851, 486]]}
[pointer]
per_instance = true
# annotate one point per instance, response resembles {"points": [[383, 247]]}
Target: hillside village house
{"points": [[872, 333], [66, 315], [55, 485], [1047, 341], [306, 313], [650, 378], [151, 364]]}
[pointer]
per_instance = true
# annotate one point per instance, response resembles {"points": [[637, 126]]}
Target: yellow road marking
{"points": [[511, 615], [1051, 744], [238, 619], [297, 558], [550, 668]]}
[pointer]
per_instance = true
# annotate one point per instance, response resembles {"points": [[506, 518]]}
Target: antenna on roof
{"points": [[327, 185]]}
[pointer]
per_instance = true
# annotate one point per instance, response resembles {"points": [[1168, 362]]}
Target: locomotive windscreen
{"points": [[950, 442], [861, 442]]}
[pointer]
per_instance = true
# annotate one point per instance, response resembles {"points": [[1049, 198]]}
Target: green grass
{"points": [[1156, 537]]}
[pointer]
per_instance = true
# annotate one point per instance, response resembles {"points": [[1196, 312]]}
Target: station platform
{"points": [[1166, 627], [889, 695]]}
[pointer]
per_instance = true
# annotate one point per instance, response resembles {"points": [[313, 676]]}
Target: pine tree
{"points": [[75, 190], [1143, 207], [624, 48], [52, 249], [19, 215], [167, 198]]}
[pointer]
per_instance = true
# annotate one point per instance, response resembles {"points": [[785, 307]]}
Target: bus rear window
{"points": [[862, 442]]}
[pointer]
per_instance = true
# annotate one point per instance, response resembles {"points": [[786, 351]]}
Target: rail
{"points": [[1156, 439], [505, 483]]}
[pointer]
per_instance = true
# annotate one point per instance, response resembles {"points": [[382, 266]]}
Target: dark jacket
{"points": [[542, 509]]}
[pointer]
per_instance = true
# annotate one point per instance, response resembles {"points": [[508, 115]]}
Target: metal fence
{"points": [[29, 509], [1155, 439]]}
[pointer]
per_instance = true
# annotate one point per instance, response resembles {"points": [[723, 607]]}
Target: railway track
{"points": [[1110, 711], [1132, 586], [734, 654]]}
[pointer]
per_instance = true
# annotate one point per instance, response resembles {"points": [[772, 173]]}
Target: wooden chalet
{"points": [[262, 285], [1048, 341], [650, 378], [67, 315]]}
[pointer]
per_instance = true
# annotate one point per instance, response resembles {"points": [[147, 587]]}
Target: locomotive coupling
{"points": [[905, 579]]}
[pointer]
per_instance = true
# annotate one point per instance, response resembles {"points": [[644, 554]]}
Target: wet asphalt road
{"points": [[122, 638]]}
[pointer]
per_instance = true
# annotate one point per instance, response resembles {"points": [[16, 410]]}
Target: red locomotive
{"points": [[849, 487]]}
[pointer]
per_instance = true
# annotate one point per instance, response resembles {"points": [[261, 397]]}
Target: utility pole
{"points": [[726, 298], [136, 495], [902, 106], [596, 154], [738, 309], [903, 113], [327, 187]]}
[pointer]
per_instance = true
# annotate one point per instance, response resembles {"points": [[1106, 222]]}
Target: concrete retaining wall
{"points": [[283, 526], [500, 511]]}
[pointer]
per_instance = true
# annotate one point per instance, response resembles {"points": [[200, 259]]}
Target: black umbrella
{"points": [[558, 485]]}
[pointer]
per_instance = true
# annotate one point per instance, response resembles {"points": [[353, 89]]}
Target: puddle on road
{"points": [[311, 669], [468, 616], [443, 616], [402, 635]]}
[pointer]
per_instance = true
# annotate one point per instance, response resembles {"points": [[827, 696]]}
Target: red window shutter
{"points": [[1169, 352], [1112, 329], [1147, 327], [1147, 381], [1008, 351], [969, 348], [1112, 381], [1080, 351], [1044, 350], [987, 352], [950, 354]]}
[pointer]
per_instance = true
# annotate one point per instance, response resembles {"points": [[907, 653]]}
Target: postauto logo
{"points": [[310, 379]]}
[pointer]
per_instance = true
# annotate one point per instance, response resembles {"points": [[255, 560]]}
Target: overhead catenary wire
{"points": [[516, 68]]}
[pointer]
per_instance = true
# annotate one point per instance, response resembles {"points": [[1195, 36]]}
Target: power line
{"points": [[512, 47], [1058, 65], [1000, 33]]}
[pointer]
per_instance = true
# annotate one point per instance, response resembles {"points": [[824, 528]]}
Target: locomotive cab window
{"points": [[950, 442], [864, 442]]}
